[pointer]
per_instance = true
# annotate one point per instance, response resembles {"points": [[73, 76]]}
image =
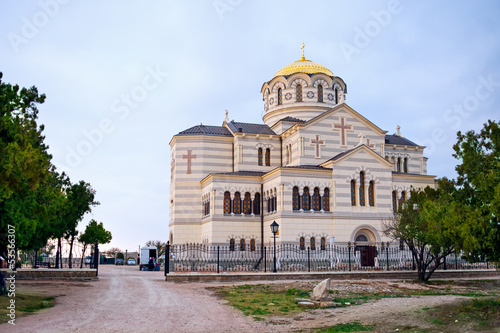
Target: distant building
{"points": [[315, 166]]}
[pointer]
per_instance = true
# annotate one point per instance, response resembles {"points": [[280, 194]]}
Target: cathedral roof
{"points": [[206, 130], [303, 66], [249, 128], [292, 119], [311, 167], [398, 140], [242, 173]]}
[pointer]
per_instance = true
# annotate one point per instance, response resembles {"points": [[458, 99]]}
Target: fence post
{"points": [[167, 258], [308, 260], [218, 247], [387, 255], [349, 257], [96, 259], [265, 260]]}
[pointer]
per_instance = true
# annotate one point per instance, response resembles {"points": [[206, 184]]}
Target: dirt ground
{"points": [[128, 300]]}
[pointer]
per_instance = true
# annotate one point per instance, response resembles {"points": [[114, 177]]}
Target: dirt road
{"points": [[127, 300]]}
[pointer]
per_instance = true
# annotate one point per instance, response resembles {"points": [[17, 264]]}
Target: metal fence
{"points": [[294, 258]]}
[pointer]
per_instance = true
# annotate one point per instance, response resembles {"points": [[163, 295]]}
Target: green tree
{"points": [[25, 168], [433, 224], [94, 233], [479, 185], [80, 198]]}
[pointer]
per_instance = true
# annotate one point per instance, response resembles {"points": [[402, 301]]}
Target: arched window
{"points": [[298, 91], [268, 157], [361, 188], [296, 198], [405, 165], [275, 203], [394, 201], [269, 205], [371, 193], [252, 244], [227, 202], [306, 199], [353, 192], [323, 243], [280, 96], [237, 203], [361, 238], [247, 204], [320, 93], [231, 244], [403, 197], [326, 200], [316, 200], [242, 244], [312, 243], [260, 156], [336, 96], [256, 204], [302, 243], [398, 165]]}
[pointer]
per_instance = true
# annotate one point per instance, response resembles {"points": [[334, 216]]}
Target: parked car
{"points": [[131, 261], [119, 262]]}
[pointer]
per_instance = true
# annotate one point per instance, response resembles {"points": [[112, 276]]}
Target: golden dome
{"points": [[303, 66]]}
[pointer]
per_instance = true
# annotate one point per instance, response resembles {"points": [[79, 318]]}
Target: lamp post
{"points": [[274, 229]]}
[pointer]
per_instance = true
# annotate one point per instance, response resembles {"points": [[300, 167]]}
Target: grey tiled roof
{"points": [[397, 140], [206, 130], [250, 128], [336, 157], [242, 173], [292, 119], [310, 167]]}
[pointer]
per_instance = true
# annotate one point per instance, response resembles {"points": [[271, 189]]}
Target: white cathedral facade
{"points": [[317, 167]]}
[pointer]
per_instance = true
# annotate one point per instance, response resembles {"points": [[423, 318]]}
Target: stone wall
{"points": [[398, 275], [85, 274]]}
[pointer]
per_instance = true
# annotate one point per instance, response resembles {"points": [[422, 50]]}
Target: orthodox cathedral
{"points": [[317, 167]]}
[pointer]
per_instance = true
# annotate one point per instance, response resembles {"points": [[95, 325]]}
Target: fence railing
{"points": [[294, 258]]}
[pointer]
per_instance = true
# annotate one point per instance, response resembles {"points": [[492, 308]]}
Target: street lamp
{"points": [[274, 229]]}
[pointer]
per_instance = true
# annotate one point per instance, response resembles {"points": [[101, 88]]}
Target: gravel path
{"points": [[128, 300]]}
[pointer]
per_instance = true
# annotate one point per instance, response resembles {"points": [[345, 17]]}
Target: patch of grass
{"points": [[478, 313], [260, 300], [346, 328], [25, 303]]}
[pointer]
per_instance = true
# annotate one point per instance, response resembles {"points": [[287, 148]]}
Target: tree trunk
{"points": [[60, 253], [70, 258], [83, 255], [57, 252]]}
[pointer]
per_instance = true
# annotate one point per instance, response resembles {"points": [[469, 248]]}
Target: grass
{"points": [[349, 327], [478, 313], [25, 304], [261, 300], [481, 312]]}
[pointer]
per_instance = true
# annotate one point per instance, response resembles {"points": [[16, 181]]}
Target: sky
{"points": [[122, 77]]}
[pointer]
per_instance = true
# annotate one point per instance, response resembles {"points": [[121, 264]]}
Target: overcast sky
{"points": [[123, 77]]}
